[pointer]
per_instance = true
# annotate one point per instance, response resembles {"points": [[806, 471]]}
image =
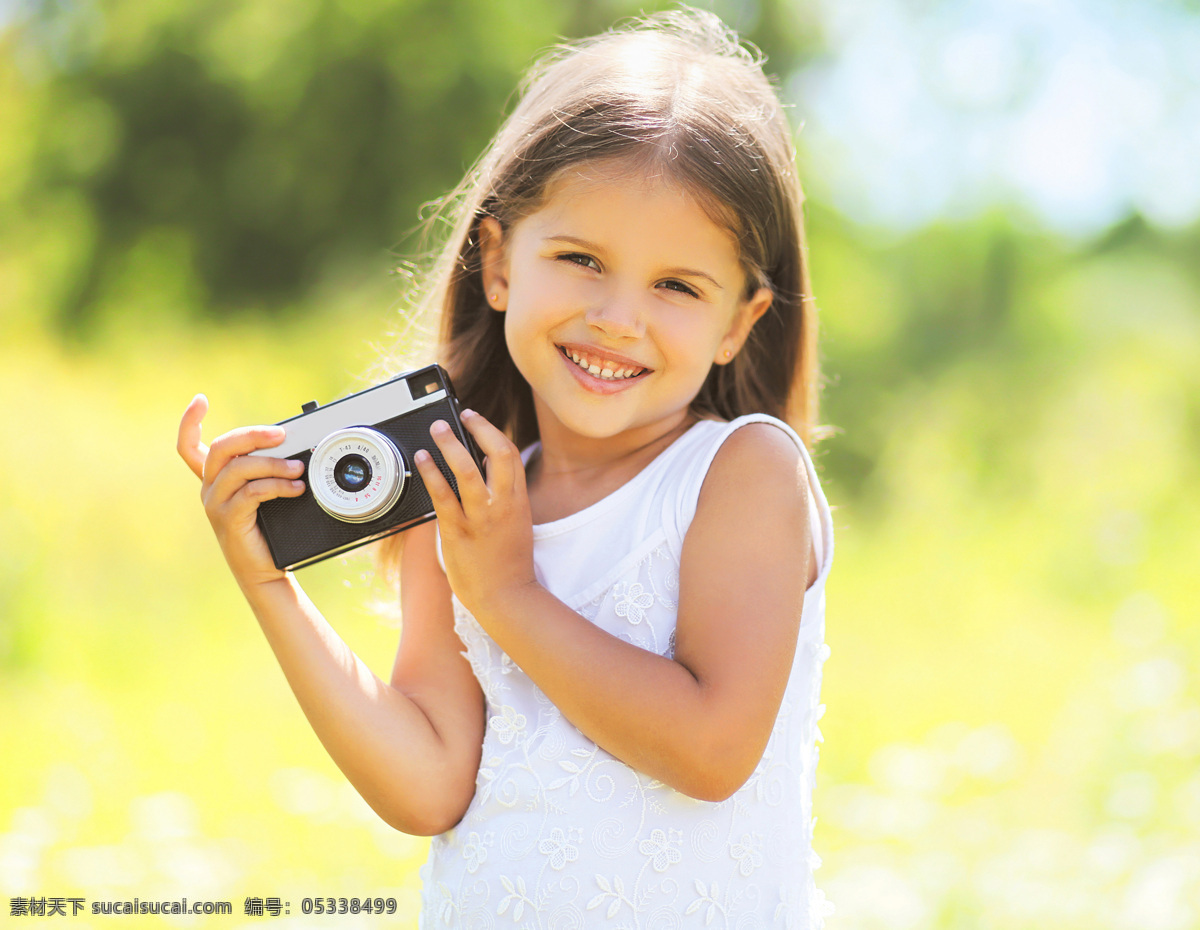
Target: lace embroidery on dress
{"points": [[512, 778]]}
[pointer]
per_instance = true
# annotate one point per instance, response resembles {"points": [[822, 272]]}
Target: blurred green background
{"points": [[1003, 214]]}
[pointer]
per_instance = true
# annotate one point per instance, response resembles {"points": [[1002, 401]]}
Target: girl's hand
{"points": [[487, 539], [233, 484]]}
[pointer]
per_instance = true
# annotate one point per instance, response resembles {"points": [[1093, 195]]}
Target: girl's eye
{"points": [[578, 258], [674, 285]]}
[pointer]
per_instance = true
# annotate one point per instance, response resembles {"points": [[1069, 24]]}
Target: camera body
{"points": [[360, 481]]}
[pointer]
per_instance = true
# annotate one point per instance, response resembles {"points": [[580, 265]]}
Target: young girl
{"points": [[604, 705]]}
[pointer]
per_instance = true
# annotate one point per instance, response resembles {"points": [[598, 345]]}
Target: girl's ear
{"points": [[493, 262], [748, 313]]}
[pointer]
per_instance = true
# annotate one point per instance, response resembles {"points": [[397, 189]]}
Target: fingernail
{"points": [[421, 456], [468, 413], [295, 465], [439, 426], [297, 484]]}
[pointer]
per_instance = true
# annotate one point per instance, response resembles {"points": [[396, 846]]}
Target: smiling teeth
{"points": [[608, 374]]}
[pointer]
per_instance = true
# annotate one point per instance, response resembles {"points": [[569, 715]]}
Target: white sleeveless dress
{"points": [[560, 834]]}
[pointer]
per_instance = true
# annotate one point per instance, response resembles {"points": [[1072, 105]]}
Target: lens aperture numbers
{"points": [[356, 474]]}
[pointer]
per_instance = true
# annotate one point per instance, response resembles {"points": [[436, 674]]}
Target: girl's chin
{"points": [[584, 427], [586, 423]]}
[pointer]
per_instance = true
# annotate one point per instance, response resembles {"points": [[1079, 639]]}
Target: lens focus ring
{"points": [[356, 474]]}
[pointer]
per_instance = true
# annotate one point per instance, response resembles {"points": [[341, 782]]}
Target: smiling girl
{"points": [[604, 704]]}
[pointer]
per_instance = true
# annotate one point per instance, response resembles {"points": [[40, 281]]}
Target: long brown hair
{"points": [[675, 93]]}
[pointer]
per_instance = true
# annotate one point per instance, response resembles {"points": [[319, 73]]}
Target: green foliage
{"points": [[217, 159], [248, 150]]}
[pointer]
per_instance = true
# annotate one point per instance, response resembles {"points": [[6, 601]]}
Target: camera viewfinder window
{"points": [[424, 384]]}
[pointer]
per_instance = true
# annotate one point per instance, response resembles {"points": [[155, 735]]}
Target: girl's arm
{"points": [[411, 748], [700, 721]]}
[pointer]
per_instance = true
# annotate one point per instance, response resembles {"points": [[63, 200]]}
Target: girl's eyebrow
{"points": [[680, 272]]}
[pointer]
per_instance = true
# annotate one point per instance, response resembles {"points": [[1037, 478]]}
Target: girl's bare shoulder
{"points": [[756, 494], [758, 458]]}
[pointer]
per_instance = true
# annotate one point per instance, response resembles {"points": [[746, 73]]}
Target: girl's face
{"points": [[619, 295]]}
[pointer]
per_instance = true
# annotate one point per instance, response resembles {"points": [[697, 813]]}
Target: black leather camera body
{"points": [[361, 483]]}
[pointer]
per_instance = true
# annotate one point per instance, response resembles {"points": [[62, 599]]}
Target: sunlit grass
{"points": [[152, 746]]}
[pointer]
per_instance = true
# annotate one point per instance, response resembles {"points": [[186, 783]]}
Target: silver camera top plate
{"points": [[367, 408]]}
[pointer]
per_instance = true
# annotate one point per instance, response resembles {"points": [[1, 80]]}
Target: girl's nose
{"points": [[619, 318]]}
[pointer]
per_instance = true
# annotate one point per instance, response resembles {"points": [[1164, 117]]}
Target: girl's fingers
{"points": [[471, 487], [188, 444], [440, 493], [256, 492], [239, 442], [503, 458], [251, 469]]}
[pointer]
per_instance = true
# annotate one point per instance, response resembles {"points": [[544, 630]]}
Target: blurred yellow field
{"points": [[1008, 710]]}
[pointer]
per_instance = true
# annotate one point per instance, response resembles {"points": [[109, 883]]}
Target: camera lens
{"points": [[352, 473], [356, 474]]}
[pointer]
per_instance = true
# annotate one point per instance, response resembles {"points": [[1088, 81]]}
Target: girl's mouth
{"points": [[600, 366]]}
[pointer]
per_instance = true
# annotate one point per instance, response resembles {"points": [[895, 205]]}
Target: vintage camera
{"points": [[361, 485]]}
